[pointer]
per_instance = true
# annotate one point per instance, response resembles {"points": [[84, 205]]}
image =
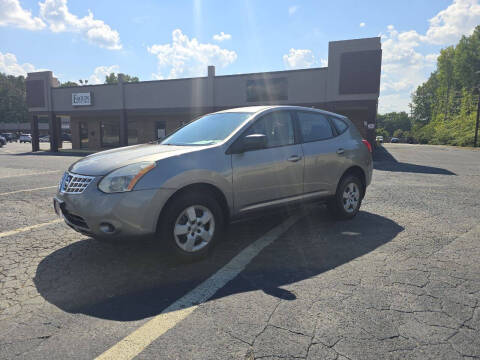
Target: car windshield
{"points": [[208, 130]]}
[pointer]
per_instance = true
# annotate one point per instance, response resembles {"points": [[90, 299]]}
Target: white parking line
{"points": [[31, 174], [28, 228], [137, 341], [28, 190]]}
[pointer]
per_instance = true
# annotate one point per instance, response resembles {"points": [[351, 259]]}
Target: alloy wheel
{"points": [[194, 228], [351, 197]]}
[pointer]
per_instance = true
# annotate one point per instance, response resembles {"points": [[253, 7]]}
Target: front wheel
{"points": [[191, 225], [348, 198]]}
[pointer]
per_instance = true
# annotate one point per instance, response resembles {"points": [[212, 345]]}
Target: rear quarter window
{"points": [[339, 124]]}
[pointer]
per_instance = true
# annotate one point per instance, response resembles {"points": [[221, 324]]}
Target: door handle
{"points": [[340, 151], [294, 158]]}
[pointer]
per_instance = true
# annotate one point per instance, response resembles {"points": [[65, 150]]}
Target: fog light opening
{"points": [[107, 228]]}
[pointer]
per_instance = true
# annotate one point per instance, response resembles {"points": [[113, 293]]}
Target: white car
{"points": [[379, 139], [24, 138]]}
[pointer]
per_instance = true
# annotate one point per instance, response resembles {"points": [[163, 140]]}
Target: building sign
{"points": [[81, 99], [371, 126]]}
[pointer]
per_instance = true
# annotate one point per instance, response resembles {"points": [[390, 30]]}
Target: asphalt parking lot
{"points": [[400, 281]]}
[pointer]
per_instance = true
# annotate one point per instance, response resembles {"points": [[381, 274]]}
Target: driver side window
{"points": [[277, 127]]}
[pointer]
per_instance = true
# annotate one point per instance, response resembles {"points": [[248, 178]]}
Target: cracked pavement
{"points": [[400, 281]]}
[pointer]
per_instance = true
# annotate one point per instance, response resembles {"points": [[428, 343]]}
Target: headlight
{"points": [[125, 178]]}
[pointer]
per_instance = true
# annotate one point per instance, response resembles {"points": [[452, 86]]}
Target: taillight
{"points": [[367, 144]]}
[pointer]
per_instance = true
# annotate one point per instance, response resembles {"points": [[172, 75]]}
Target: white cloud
{"points": [[222, 37], [393, 102], [185, 57], [98, 76], [292, 9], [460, 18], [12, 14], [301, 59], [56, 14], [405, 65], [10, 66], [403, 68], [362, 24]]}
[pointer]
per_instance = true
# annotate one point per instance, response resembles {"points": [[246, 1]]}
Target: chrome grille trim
{"points": [[74, 183]]}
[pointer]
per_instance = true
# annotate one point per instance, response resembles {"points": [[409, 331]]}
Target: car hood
{"points": [[103, 162]]}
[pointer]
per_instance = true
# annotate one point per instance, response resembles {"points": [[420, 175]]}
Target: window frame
{"points": [[327, 117], [296, 136]]}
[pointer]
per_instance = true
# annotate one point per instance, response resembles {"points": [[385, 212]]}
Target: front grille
{"points": [[74, 183]]}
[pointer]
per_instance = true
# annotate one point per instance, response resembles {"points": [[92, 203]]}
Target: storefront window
{"points": [[110, 133], [132, 133]]}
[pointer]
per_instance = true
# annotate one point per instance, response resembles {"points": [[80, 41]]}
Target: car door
{"points": [[323, 153], [273, 173]]}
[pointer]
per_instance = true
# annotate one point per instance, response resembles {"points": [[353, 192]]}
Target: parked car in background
{"points": [[379, 139], [66, 137], [221, 166], [45, 138], [3, 141], [24, 138], [394, 140], [9, 137]]}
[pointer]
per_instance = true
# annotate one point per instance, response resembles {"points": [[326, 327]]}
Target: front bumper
{"points": [[130, 213]]}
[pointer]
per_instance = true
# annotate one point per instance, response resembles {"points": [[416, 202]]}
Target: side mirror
{"points": [[254, 142]]}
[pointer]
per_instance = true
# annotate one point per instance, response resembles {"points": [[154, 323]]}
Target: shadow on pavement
{"points": [[383, 160], [132, 281]]}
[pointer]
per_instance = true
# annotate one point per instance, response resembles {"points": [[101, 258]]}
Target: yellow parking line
{"points": [[31, 174], [28, 228], [28, 190], [137, 341]]}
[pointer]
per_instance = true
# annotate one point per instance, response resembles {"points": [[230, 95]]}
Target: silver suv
{"points": [[218, 167]]}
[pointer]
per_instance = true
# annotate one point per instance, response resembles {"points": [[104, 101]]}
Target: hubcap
{"points": [[351, 197], [194, 228]]}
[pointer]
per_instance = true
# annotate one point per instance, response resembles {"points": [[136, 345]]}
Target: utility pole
{"points": [[475, 141]]}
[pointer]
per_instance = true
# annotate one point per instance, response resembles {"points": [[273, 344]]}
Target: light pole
{"points": [[475, 140]]}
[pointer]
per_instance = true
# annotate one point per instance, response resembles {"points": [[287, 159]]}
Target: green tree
{"points": [[398, 133], [393, 121], [13, 107], [382, 132], [444, 107], [68, 84], [112, 78]]}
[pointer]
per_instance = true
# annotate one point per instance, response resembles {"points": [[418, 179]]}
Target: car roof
{"points": [[258, 109]]}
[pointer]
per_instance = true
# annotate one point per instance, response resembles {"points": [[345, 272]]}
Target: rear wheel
{"points": [[348, 198], [191, 225]]}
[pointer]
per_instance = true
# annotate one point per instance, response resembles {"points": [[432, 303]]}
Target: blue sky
{"points": [[154, 39]]}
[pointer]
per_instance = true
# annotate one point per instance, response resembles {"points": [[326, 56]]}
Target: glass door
{"points": [[83, 130]]}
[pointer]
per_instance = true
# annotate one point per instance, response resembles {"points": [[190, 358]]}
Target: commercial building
{"points": [[105, 116]]}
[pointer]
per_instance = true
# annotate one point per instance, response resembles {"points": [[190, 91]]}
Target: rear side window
{"points": [[314, 126], [339, 124]]}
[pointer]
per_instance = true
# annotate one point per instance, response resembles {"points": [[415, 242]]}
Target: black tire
{"points": [[173, 211], [337, 204]]}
